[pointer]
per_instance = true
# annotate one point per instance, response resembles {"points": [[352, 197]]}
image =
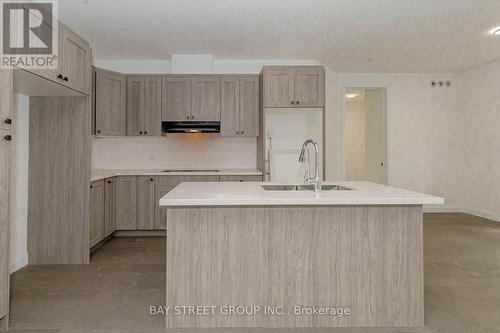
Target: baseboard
{"points": [[483, 214], [18, 264], [492, 216], [442, 209], [139, 233]]}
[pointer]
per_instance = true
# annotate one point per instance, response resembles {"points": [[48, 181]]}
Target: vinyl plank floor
{"points": [[126, 275]]}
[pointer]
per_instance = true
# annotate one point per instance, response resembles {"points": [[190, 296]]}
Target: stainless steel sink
{"points": [[304, 188]]}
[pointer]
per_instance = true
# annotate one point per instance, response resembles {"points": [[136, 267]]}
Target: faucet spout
{"points": [[316, 180]]}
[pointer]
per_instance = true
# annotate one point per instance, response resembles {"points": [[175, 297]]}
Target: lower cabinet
{"points": [[109, 206], [145, 203], [96, 227], [240, 178], [126, 203], [133, 202]]}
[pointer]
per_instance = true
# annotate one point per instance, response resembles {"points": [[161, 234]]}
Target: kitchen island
{"points": [[274, 255]]}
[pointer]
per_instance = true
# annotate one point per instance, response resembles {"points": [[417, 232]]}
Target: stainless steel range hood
{"points": [[191, 127]]}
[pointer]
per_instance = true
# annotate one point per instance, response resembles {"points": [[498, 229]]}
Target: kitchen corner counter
{"points": [[252, 194], [98, 174]]}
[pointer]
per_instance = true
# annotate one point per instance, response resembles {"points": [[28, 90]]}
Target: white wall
{"points": [[419, 127], [474, 155], [177, 151], [19, 190]]}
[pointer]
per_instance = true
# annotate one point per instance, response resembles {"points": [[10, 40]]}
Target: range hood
{"points": [[191, 126]]}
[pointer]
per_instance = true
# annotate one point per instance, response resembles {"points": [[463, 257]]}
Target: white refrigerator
{"points": [[285, 131]]}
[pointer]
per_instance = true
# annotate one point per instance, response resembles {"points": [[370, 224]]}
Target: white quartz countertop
{"points": [[98, 174], [252, 194]]}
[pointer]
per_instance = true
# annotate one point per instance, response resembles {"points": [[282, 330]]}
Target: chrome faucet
{"points": [[317, 178]]}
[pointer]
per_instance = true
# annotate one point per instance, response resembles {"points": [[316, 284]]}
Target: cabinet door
{"points": [[4, 220], [249, 106], [145, 203], [309, 86], [110, 104], [152, 106], [278, 87], [6, 87], [135, 106], [96, 227], [240, 178], [76, 61], [161, 212], [230, 106], [126, 203], [176, 98], [205, 97], [109, 206]]}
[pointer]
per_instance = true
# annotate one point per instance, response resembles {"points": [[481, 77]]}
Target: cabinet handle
{"points": [[297, 102], [140, 132], [192, 117], [151, 179], [293, 102], [238, 132], [65, 79], [60, 76], [8, 121], [91, 186], [98, 131], [242, 132], [109, 181], [187, 117], [145, 132], [7, 138]]}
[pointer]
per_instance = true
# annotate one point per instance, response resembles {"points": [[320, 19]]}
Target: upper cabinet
{"points": [[110, 118], [240, 105], [176, 98], [297, 86], [75, 61], [143, 106], [191, 98], [205, 98]]}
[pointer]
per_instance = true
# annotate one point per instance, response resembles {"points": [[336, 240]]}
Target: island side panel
{"points": [[367, 258]]}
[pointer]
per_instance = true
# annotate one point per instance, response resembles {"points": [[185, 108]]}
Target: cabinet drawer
{"points": [[240, 178]]}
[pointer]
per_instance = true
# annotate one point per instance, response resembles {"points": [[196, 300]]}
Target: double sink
{"points": [[303, 188]]}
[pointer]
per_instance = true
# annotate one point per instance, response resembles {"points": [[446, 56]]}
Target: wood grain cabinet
{"points": [[240, 106], [143, 106], [145, 203], [126, 203], [110, 91], [109, 206], [240, 178], [75, 61], [297, 86], [165, 184], [205, 98], [187, 98], [97, 213], [176, 98], [4, 219]]}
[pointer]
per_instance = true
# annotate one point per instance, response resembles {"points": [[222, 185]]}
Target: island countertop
{"points": [[252, 194]]}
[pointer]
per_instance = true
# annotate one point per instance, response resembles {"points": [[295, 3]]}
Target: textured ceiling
{"points": [[348, 35]]}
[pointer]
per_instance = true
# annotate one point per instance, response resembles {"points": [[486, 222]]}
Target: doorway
{"points": [[365, 143]]}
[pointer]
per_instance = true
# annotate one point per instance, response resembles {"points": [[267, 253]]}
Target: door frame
{"points": [[342, 134]]}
